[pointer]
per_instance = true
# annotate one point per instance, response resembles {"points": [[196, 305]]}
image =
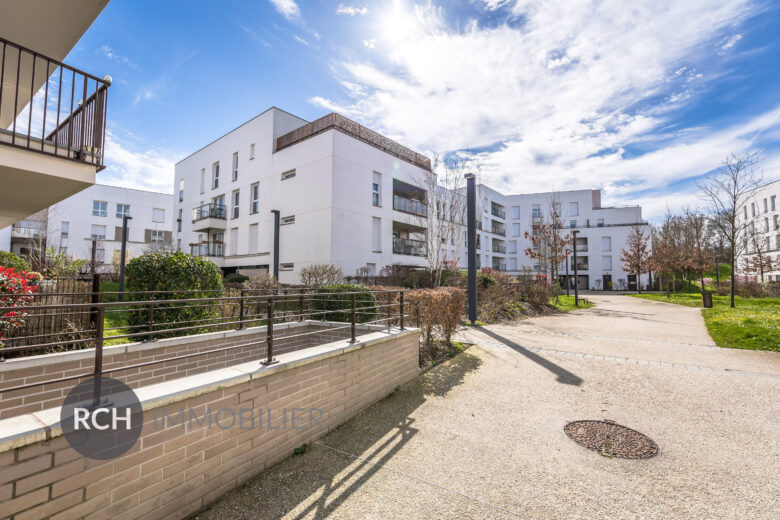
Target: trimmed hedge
{"points": [[8, 259], [437, 312], [172, 273], [339, 305], [236, 278]]}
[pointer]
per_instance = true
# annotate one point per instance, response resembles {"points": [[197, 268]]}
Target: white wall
{"points": [[766, 223]]}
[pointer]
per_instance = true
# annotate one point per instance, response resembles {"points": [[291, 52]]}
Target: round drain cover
{"points": [[611, 440]]}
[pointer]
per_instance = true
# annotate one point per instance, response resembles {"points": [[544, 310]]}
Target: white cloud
{"points": [[300, 40], [370, 43], [562, 101], [287, 8], [150, 169], [351, 10], [731, 42], [108, 52]]}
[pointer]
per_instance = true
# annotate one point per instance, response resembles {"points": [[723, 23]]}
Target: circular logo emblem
{"points": [[101, 418]]}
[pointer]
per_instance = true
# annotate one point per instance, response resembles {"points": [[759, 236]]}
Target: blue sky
{"points": [[538, 94]]}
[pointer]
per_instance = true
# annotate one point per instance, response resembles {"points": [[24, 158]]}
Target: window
{"points": [[600, 222], [158, 215], [215, 176], [157, 237], [606, 263], [178, 221], [251, 151], [100, 255], [515, 230], [255, 193], [288, 220], [286, 267], [512, 247], [235, 166], [376, 235], [253, 236], [235, 198], [752, 209], [557, 208], [233, 243], [574, 209], [376, 190], [766, 224], [573, 223], [606, 243], [745, 208], [289, 174], [65, 228], [99, 208], [776, 219], [516, 212], [202, 180], [178, 244], [766, 206], [181, 190], [777, 242], [536, 211], [98, 232], [122, 210], [773, 202]]}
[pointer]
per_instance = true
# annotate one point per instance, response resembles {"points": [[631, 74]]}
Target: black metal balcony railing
{"points": [[208, 249], [415, 207], [65, 107], [498, 213], [499, 267], [499, 249], [499, 231], [210, 210], [582, 267], [408, 246]]}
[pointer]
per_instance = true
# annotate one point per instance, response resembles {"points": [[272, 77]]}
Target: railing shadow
{"points": [[562, 375]]}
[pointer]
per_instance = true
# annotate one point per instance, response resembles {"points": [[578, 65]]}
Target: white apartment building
{"points": [[762, 213], [96, 212], [602, 234], [345, 195]]}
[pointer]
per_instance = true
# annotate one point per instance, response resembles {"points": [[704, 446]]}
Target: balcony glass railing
{"points": [[209, 211], [499, 267], [415, 207], [208, 249], [407, 246], [498, 213], [582, 247], [499, 249], [499, 231]]}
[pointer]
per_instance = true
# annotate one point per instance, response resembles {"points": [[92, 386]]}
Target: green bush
{"points": [[236, 278], [334, 299], [178, 276], [8, 259]]}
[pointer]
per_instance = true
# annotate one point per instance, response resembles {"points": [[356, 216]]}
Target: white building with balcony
{"points": [[346, 195], [96, 213], [761, 213]]}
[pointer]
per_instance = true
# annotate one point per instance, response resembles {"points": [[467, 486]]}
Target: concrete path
{"points": [[482, 435]]}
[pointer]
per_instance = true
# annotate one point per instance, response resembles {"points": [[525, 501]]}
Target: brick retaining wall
{"points": [[174, 472]]}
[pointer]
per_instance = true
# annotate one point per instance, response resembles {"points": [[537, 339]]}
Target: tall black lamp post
{"points": [[122, 256], [568, 279], [576, 289], [276, 243], [471, 221]]}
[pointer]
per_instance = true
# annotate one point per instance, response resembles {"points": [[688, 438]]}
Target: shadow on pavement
{"points": [[315, 484], [562, 375]]}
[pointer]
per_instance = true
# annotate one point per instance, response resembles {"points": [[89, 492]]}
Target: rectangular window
{"points": [[98, 232], [202, 180], [253, 236], [181, 190], [235, 166], [536, 211], [606, 243], [516, 212], [65, 228], [178, 244], [157, 237], [600, 222], [745, 208], [376, 235], [752, 209], [573, 223], [512, 247], [235, 198], [255, 193], [766, 224], [100, 208], [287, 220], [178, 221], [776, 219], [122, 210], [233, 241], [376, 190], [777, 242], [515, 230], [766, 206], [574, 209], [215, 176], [773, 202], [158, 215], [289, 174], [286, 267], [251, 151], [606, 263]]}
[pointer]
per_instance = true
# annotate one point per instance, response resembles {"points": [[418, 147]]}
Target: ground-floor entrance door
{"points": [[632, 282], [606, 281]]}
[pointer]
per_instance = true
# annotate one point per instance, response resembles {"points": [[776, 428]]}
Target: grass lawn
{"points": [[754, 324], [566, 303], [115, 316]]}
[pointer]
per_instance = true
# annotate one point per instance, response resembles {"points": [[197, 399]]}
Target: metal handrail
{"points": [[210, 210]]}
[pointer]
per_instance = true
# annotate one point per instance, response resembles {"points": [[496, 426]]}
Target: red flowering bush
{"points": [[16, 290]]}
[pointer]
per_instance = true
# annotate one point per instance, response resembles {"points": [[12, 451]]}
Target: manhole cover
{"points": [[611, 440]]}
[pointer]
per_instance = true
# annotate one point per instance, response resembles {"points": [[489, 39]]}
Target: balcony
{"points": [[25, 233], [410, 247], [212, 249], [52, 130], [406, 205], [499, 249], [582, 248], [498, 266], [498, 231], [498, 213], [209, 216]]}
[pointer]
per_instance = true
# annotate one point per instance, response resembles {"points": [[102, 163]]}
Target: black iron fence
{"points": [[163, 314], [65, 107]]}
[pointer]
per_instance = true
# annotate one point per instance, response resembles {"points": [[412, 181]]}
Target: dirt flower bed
{"points": [[439, 351]]}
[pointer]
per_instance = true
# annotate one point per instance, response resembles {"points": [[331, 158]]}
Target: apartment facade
{"points": [[96, 213], [345, 194], [761, 214], [602, 235]]}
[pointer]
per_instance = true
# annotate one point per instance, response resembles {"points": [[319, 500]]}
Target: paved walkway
{"points": [[482, 436]]}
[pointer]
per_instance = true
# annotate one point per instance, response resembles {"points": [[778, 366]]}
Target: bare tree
{"points": [[757, 258], [317, 275], [697, 253], [636, 256], [549, 243], [726, 193]]}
